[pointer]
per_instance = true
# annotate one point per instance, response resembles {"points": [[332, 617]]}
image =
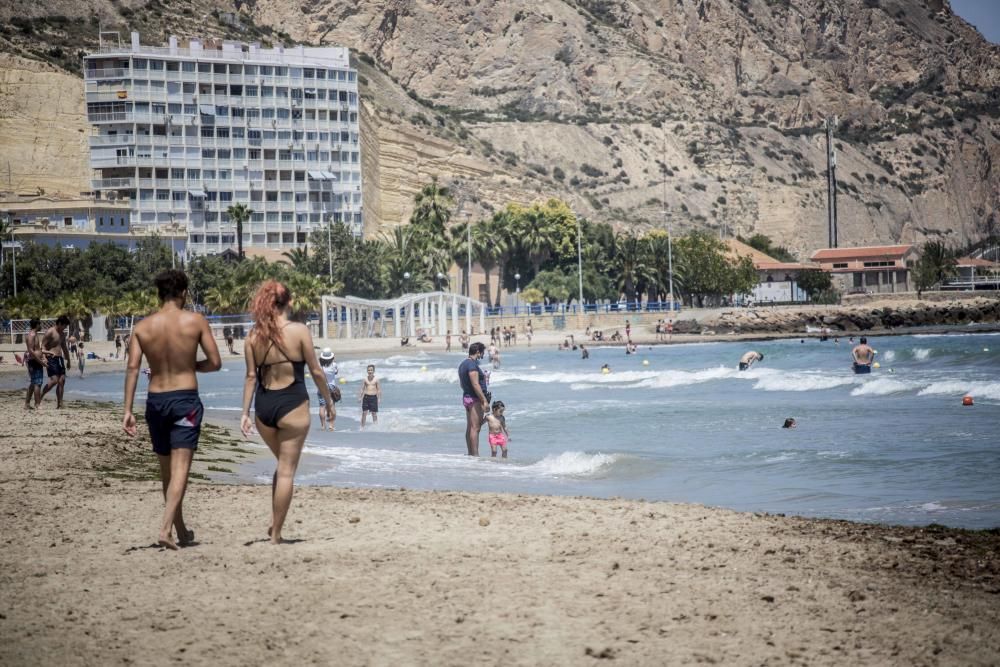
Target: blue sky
{"points": [[984, 14]]}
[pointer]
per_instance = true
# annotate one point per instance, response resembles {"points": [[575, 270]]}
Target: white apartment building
{"points": [[184, 132]]}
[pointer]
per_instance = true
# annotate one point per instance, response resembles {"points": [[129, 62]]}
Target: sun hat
{"points": [[326, 354]]}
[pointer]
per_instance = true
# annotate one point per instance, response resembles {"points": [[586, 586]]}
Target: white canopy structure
{"points": [[432, 312]]}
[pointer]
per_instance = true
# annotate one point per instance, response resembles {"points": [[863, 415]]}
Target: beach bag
{"points": [[335, 394]]}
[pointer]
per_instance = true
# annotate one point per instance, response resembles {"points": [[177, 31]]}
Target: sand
{"points": [[388, 577]]}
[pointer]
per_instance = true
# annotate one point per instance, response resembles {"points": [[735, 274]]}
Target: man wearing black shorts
{"points": [[170, 339], [56, 353]]}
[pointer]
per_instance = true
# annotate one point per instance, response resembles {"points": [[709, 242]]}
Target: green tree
{"points": [[937, 263], [708, 272], [239, 214], [484, 250], [763, 243], [299, 257], [813, 282], [432, 208], [554, 284]]}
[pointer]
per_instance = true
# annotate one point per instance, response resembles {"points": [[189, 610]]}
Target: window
{"points": [[139, 64], [68, 222], [156, 65], [100, 221], [205, 68], [173, 66], [869, 265], [840, 265], [188, 66]]}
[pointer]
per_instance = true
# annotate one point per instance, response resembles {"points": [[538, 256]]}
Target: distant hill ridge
{"points": [[600, 102]]}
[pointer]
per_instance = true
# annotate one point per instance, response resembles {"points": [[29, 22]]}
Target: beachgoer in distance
{"points": [[56, 353], [370, 397], [277, 352], [35, 361], [229, 339], [447, 341], [463, 340], [118, 345], [473, 383], [498, 433], [628, 330], [789, 423], [748, 359], [328, 361], [863, 356], [170, 339], [81, 357], [584, 352]]}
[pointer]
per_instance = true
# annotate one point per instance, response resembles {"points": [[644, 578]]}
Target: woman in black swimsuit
{"points": [[277, 352]]}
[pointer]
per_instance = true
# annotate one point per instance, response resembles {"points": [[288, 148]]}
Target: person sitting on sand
{"points": [[170, 338], [277, 352], [863, 356], [748, 359], [499, 435], [404, 341]]}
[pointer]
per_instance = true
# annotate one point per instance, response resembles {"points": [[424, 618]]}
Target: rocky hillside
{"points": [[693, 113]]}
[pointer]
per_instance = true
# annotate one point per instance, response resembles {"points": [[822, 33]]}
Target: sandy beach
{"points": [[378, 577]]}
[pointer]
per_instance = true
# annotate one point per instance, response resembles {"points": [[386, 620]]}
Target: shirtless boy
{"points": [[170, 339], [863, 357], [371, 396], [56, 353], [36, 365]]}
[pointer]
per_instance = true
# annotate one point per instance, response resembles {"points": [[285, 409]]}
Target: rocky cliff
{"points": [[692, 113]]}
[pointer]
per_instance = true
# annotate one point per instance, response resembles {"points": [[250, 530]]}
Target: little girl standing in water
{"points": [[498, 429]]}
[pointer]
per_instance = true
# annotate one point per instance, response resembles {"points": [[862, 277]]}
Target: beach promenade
{"points": [[378, 577]]}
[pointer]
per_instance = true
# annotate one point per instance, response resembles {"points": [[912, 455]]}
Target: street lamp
{"points": [[406, 280], [440, 279], [173, 230], [14, 247], [517, 291], [579, 262], [329, 243]]}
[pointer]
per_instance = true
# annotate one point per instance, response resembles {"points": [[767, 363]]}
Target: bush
{"points": [[558, 174], [588, 170]]}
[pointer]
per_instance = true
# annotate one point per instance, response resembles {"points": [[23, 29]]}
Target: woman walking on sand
{"points": [[277, 352]]}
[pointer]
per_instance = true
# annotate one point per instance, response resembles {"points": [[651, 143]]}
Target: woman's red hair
{"points": [[270, 299]]}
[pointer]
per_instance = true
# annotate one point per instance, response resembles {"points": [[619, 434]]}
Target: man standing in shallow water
{"points": [[170, 339], [56, 353], [473, 383]]}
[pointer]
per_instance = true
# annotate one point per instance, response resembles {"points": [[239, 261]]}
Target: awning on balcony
{"points": [[328, 176], [206, 109], [317, 176], [197, 193]]}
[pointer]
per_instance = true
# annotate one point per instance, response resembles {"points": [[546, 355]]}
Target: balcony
{"points": [[112, 183], [111, 140], [107, 73]]}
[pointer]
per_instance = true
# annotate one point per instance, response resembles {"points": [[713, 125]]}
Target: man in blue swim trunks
{"points": [[56, 351], [170, 339], [35, 361]]}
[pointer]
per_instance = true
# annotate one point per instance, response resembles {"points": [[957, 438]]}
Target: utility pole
{"points": [[579, 263], [831, 183], [666, 222]]}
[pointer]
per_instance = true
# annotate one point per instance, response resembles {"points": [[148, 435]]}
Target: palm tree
{"points": [[657, 253], [629, 260], [299, 257], [459, 247], [307, 292], [432, 209], [537, 237], [936, 264], [504, 243], [403, 255], [484, 249], [239, 213]]}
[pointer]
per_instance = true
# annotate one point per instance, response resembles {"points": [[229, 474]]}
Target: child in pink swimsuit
{"points": [[499, 435]]}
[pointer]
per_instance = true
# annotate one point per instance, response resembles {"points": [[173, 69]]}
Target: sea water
{"points": [[681, 423]]}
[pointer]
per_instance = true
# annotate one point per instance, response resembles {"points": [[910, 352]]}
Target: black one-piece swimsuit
{"points": [[272, 405]]}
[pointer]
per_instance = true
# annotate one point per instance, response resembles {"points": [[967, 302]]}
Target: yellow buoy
{"points": [[343, 380], [423, 369], [645, 362], [876, 365], [534, 367], [605, 370]]}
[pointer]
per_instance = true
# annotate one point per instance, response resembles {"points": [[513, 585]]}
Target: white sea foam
{"points": [[975, 388], [889, 355], [880, 387], [573, 464], [801, 382], [921, 353]]}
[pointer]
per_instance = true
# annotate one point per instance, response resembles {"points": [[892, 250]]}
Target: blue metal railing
{"points": [[595, 308]]}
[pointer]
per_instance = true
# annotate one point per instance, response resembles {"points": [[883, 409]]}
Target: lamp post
{"points": [[14, 247], [329, 243], [173, 230], [406, 280], [440, 280], [579, 262], [517, 291]]}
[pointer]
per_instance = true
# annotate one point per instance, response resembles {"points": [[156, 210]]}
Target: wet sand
{"points": [[402, 577]]}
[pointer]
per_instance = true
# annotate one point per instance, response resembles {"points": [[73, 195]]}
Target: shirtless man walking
{"points": [[371, 396], [170, 339], [36, 365], [863, 357], [56, 353]]}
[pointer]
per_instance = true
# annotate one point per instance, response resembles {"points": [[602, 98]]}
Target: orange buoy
{"points": [[967, 400]]}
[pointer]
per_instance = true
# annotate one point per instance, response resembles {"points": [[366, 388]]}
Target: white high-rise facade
{"points": [[183, 133]]}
